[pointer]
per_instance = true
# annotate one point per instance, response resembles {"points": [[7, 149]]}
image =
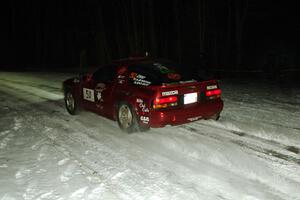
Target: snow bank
{"points": [[251, 153]]}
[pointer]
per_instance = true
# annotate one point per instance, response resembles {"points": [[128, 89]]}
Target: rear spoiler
{"points": [[180, 82]]}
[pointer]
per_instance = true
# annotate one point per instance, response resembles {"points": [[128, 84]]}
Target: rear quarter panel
{"points": [[139, 98]]}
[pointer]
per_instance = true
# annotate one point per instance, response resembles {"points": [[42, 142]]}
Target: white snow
{"points": [[251, 153]]}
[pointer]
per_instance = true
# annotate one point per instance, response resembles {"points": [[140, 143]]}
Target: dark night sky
{"points": [[273, 29], [231, 34]]}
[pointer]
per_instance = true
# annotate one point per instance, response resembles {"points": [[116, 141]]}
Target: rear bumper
{"points": [[203, 110]]}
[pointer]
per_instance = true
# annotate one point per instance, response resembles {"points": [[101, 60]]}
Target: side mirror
{"points": [[85, 77], [89, 77], [81, 76]]}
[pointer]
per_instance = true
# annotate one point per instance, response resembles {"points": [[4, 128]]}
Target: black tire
{"points": [[127, 119], [71, 103], [215, 117]]}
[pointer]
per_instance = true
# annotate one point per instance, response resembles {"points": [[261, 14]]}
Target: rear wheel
{"points": [[215, 117], [70, 102], [127, 119]]}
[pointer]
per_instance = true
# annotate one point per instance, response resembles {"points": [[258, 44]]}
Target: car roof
{"points": [[130, 60], [139, 60]]}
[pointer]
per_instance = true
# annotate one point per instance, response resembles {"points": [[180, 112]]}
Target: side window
{"points": [[105, 74]]}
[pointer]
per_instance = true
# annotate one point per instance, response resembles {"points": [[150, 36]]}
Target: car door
{"points": [[88, 92], [104, 84]]}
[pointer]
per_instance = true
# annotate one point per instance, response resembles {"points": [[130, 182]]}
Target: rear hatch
{"points": [[172, 89], [185, 94]]}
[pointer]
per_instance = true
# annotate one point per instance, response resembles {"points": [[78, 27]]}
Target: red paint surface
{"points": [[116, 92]]}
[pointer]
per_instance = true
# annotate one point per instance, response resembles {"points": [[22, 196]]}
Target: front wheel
{"points": [[70, 102]]}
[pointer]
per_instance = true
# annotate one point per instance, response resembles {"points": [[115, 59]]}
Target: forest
{"points": [[224, 35]]}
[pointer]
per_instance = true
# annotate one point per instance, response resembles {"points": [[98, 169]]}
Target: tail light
{"points": [[165, 102], [213, 93]]}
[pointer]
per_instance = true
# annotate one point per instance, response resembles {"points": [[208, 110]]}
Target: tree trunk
{"points": [[241, 7], [229, 32], [178, 31], [201, 19], [153, 40], [134, 27], [101, 40]]}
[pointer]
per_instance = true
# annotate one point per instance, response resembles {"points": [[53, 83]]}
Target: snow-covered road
{"points": [[252, 152]]}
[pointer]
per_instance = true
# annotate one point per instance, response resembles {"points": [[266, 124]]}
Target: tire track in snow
{"points": [[68, 138], [44, 111], [269, 109], [253, 145], [80, 136], [34, 120], [32, 90], [85, 164], [292, 149], [269, 156]]}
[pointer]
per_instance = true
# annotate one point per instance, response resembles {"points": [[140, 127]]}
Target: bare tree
{"points": [[241, 8], [202, 28], [152, 30], [101, 39], [178, 29]]}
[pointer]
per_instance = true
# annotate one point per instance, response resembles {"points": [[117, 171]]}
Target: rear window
{"points": [[156, 73]]}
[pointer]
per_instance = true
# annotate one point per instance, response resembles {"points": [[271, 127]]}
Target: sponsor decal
{"points": [[98, 95], [139, 76], [145, 119], [99, 89], [133, 75], [174, 76], [163, 69], [122, 70], [211, 87], [88, 94], [171, 74], [142, 82], [142, 105], [76, 80], [139, 79], [194, 118], [139, 100], [168, 93], [121, 79]]}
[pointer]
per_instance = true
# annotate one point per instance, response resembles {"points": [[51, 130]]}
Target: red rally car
{"points": [[143, 93]]}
